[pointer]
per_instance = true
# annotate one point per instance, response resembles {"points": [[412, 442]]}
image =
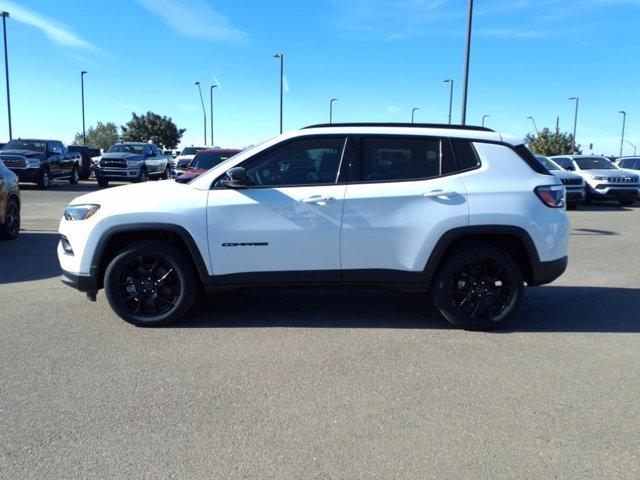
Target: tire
{"points": [[627, 203], [44, 181], [85, 173], [10, 227], [74, 178], [165, 174], [102, 182], [143, 177], [463, 293], [147, 276], [572, 206]]}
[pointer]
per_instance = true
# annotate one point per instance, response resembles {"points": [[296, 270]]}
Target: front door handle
{"points": [[440, 194], [318, 200]]}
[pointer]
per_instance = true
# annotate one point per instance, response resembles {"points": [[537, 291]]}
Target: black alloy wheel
{"points": [[150, 284], [10, 228], [479, 287], [74, 178]]}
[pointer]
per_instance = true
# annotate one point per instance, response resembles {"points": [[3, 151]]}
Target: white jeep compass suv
{"points": [[464, 212]]}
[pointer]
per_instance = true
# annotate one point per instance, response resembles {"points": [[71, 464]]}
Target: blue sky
{"points": [[378, 57]]}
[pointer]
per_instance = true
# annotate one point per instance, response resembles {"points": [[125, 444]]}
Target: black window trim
{"points": [[356, 172], [338, 180]]}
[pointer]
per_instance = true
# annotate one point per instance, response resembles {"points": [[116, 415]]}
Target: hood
{"points": [[565, 175], [184, 157], [609, 173], [123, 155], [23, 153], [191, 174]]}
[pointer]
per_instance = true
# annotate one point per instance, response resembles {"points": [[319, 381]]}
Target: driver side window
{"points": [[306, 161]]}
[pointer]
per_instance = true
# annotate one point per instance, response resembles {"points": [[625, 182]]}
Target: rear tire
{"points": [[150, 284], [479, 287], [10, 228]]}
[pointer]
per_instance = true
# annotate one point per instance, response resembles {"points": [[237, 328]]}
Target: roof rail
{"points": [[403, 125]]}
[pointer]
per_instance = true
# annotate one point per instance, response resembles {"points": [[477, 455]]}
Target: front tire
{"points": [[102, 182], [10, 228], [150, 284], [479, 287], [44, 181], [74, 178], [143, 177]]}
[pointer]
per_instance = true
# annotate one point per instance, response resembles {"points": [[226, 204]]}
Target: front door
{"points": [[286, 226], [403, 195]]}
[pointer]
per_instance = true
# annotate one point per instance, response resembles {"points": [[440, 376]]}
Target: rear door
{"points": [[286, 226], [403, 195]]}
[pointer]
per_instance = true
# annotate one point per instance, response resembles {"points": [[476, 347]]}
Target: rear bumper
{"points": [[547, 272]]}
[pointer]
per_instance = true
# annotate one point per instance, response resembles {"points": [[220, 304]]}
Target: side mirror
{"points": [[236, 177], [55, 151]]}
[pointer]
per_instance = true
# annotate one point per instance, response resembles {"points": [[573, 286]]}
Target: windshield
{"points": [[127, 148], [207, 160], [33, 145], [547, 163], [594, 163], [191, 150]]}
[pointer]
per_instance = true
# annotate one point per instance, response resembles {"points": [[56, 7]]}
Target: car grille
{"points": [[572, 181], [113, 163], [14, 162], [622, 179]]}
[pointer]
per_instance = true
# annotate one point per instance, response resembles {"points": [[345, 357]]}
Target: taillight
{"points": [[552, 195]]}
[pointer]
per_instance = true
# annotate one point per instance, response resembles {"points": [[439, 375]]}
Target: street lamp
{"points": [[483, 117], [533, 120], [465, 85], [281, 57], [624, 121], [211, 112], [84, 136], [450, 81], [413, 113], [632, 145], [5, 15], [331, 109], [575, 123], [204, 113]]}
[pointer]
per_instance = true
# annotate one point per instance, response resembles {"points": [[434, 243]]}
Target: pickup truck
{"points": [[41, 161], [87, 154], [132, 162]]}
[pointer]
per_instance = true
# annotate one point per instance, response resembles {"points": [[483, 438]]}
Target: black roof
{"points": [[403, 125]]}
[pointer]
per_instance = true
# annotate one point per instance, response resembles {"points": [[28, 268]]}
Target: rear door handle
{"points": [[440, 194], [318, 200]]}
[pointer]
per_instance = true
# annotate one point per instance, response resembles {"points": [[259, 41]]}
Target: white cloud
{"points": [[216, 80], [393, 110], [55, 31], [195, 19]]}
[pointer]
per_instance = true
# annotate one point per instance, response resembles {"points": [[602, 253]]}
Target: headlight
{"points": [[80, 212], [33, 162]]}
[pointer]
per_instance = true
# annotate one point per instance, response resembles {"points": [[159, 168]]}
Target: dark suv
{"points": [[40, 161]]}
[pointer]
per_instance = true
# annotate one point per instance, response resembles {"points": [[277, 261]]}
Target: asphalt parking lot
{"points": [[322, 384]]}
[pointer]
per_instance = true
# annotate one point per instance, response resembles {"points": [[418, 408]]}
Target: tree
{"points": [[550, 143], [103, 135], [160, 130]]}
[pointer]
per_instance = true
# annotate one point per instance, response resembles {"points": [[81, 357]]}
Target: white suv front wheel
{"points": [[479, 287], [150, 284]]}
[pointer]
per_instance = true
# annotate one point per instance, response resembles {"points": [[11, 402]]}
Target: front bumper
{"points": [[82, 283], [575, 195], [122, 174], [610, 192], [28, 174]]}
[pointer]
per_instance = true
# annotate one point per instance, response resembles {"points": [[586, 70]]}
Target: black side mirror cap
{"points": [[236, 177]]}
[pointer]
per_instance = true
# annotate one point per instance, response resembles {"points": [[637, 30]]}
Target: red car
{"points": [[206, 159]]}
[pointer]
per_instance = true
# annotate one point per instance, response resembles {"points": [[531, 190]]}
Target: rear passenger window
{"points": [[399, 158], [466, 156]]}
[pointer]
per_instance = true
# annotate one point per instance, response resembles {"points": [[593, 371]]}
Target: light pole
{"points": [[632, 145], [204, 113], [281, 57], [450, 81], [5, 15], [575, 123], [84, 136], [465, 84], [413, 113], [533, 120], [624, 121], [211, 113], [331, 109], [483, 117]]}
